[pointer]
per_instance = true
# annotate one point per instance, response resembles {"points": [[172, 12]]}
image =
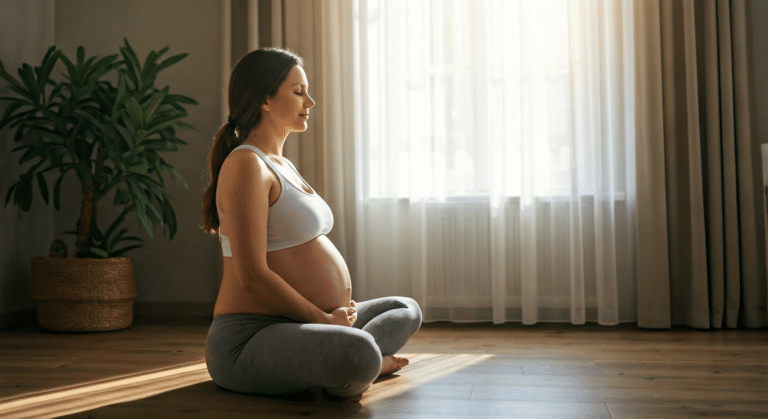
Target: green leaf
{"points": [[162, 51], [139, 169], [148, 181], [56, 91], [171, 61], [74, 75], [131, 238], [181, 99], [101, 67], [134, 110], [114, 238], [20, 147], [141, 135], [112, 233], [179, 178], [125, 250], [49, 53], [57, 192], [151, 59], [58, 122], [92, 119], [158, 191], [51, 135], [82, 92], [98, 252], [51, 56], [145, 222], [121, 197], [24, 193], [28, 155], [170, 218], [163, 119], [130, 72], [151, 106], [8, 114], [27, 75], [19, 119], [80, 57], [142, 198], [10, 193], [43, 186], [132, 62], [88, 66], [120, 93], [9, 78], [125, 134], [183, 126], [156, 213], [21, 91]]}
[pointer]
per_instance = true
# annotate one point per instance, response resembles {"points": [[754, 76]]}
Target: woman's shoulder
{"points": [[244, 170], [245, 161]]}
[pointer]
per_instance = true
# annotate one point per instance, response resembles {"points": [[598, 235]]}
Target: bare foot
{"points": [[391, 364]]}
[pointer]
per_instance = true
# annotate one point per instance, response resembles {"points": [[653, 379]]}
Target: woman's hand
{"points": [[342, 316], [354, 313]]}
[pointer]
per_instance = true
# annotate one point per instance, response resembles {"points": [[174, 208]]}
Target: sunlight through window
{"points": [[474, 97]]}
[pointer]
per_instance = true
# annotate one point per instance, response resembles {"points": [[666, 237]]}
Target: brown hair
{"points": [[256, 76]]}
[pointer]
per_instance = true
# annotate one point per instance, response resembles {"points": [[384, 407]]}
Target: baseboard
{"points": [[182, 310], [142, 311], [17, 318]]}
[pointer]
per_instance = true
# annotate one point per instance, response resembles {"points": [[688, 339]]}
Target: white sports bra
{"points": [[295, 218]]}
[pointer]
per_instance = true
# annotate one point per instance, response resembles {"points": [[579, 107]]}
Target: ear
{"points": [[265, 106]]}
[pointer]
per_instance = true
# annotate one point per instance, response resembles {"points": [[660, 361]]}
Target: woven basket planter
{"points": [[83, 294]]}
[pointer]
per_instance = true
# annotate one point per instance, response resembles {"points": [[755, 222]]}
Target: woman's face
{"points": [[289, 107]]}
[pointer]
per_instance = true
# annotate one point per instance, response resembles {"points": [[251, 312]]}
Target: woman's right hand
{"points": [[342, 316]]}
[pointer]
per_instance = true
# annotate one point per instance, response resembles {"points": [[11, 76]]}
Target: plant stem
{"points": [[87, 209]]}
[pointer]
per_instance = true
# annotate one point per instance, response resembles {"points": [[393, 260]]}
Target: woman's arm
{"points": [[244, 198]]}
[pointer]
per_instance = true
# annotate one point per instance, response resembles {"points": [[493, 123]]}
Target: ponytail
{"points": [[226, 140], [256, 76]]}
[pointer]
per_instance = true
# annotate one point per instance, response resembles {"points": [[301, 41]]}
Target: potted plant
{"points": [[111, 137]]}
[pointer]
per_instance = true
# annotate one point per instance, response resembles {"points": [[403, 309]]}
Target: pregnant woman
{"points": [[284, 320]]}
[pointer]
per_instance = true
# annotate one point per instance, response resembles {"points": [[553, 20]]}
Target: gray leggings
{"points": [[254, 353]]}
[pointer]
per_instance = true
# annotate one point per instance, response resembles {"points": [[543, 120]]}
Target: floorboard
{"points": [[456, 371]]}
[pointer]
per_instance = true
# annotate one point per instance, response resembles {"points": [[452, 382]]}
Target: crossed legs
{"points": [[286, 357]]}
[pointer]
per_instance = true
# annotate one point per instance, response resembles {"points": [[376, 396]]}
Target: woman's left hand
{"points": [[353, 315]]}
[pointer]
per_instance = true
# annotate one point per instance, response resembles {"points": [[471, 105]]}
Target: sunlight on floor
{"points": [[423, 368], [81, 397]]}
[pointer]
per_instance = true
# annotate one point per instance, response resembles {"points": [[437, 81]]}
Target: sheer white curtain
{"points": [[486, 167]]}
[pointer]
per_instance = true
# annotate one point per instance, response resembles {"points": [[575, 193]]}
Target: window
{"points": [[490, 97]]}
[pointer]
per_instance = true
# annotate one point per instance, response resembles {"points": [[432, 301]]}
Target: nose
{"points": [[309, 101]]}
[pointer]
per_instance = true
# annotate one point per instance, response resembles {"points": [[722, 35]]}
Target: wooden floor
{"points": [[156, 370]]}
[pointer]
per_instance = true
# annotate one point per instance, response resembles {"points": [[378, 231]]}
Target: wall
{"points": [[185, 269], [26, 32]]}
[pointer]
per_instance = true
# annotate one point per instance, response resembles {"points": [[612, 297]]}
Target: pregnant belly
{"points": [[316, 270]]}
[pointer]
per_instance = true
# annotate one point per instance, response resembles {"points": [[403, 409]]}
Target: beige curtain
{"points": [[518, 247], [701, 257], [322, 33]]}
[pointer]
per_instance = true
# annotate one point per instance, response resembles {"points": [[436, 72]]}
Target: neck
{"points": [[269, 139]]}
